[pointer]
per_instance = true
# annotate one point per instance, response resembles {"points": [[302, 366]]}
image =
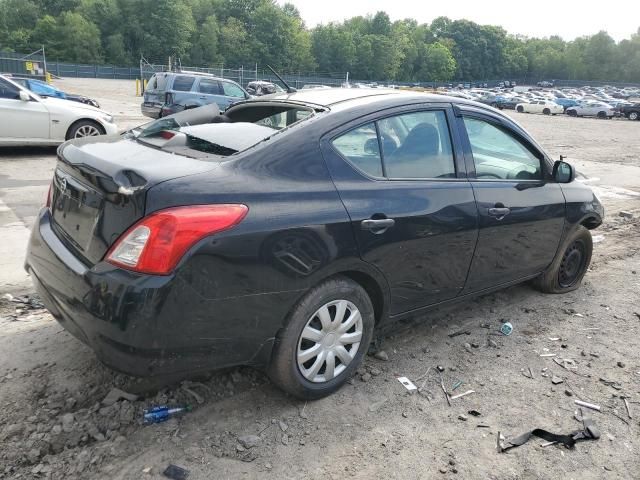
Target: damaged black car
{"points": [[282, 233]]}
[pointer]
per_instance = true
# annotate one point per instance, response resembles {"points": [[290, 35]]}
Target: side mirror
{"points": [[24, 96], [563, 172]]}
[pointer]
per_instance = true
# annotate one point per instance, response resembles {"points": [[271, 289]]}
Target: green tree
{"points": [[437, 63], [79, 39]]}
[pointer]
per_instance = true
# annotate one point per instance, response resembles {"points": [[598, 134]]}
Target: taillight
{"points": [[168, 98], [156, 243]]}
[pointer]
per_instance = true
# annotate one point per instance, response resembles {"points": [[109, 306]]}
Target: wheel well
{"points": [[90, 120], [590, 223], [373, 290]]}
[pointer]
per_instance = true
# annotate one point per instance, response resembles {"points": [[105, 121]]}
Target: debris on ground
{"points": [[115, 394], [459, 332], [408, 384], [163, 413], [249, 441], [176, 473], [468, 392], [588, 432], [506, 328], [592, 406], [381, 355]]}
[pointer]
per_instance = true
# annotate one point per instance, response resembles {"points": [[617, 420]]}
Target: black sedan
{"points": [[280, 234]]}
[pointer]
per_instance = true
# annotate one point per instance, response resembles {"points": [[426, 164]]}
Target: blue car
{"points": [[566, 102], [45, 90], [171, 92]]}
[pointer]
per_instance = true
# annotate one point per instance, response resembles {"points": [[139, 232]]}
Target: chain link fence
{"points": [[36, 64]]}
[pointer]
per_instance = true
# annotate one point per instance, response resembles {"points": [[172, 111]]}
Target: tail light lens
{"points": [[168, 98], [156, 243]]}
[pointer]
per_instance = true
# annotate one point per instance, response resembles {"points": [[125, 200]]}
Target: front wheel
{"points": [[85, 128], [634, 116], [324, 341], [520, 109], [602, 115], [546, 111], [568, 268]]}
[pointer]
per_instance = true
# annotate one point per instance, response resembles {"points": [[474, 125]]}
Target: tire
{"points": [[546, 111], [568, 268], [602, 115], [520, 109], [84, 128], [572, 113], [634, 116], [300, 378]]}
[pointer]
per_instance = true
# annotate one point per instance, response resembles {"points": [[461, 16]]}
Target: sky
{"points": [[539, 18]]}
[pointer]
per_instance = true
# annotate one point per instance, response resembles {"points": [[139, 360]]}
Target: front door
{"points": [[521, 210], [21, 120], [413, 214]]}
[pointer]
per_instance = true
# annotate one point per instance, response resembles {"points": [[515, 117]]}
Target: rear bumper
{"points": [[150, 110], [147, 325]]}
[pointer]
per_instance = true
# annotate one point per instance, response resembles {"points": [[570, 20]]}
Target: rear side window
{"points": [[209, 87], [182, 83], [417, 145], [232, 90], [498, 154], [360, 146]]}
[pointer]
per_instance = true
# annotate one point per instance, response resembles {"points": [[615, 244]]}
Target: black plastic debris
{"points": [[175, 472]]}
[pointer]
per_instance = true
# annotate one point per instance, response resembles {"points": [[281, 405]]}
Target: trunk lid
{"points": [[99, 189]]}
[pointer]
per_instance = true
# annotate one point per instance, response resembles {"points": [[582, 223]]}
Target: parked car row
{"points": [[600, 102]]}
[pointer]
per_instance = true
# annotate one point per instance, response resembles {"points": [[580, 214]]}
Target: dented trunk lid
{"points": [[99, 189]]}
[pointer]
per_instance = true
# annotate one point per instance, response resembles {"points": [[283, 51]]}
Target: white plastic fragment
{"points": [[408, 384]]}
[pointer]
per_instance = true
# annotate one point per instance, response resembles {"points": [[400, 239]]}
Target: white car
{"points": [[540, 106], [28, 119], [591, 109]]}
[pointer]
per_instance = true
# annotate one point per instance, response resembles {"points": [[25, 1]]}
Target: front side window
{"points": [[8, 91], [232, 90], [499, 154], [417, 145], [360, 146], [182, 83]]}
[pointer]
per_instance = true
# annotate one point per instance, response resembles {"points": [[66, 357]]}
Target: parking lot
{"points": [[52, 424]]}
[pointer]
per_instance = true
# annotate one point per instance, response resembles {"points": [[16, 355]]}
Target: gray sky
{"points": [[539, 18]]}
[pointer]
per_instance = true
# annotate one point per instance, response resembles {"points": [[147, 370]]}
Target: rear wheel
{"points": [[520, 109], [322, 345], [602, 114], [572, 113], [546, 111], [570, 265], [85, 128]]}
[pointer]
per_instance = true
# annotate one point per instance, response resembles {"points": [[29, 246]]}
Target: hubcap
{"points": [[329, 341], [572, 264], [87, 131], [633, 116]]}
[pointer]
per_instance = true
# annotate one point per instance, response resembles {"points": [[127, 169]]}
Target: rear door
{"points": [[155, 92], [209, 91], [403, 182], [521, 210]]}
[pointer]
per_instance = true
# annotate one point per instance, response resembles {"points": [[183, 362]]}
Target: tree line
{"points": [[249, 32]]}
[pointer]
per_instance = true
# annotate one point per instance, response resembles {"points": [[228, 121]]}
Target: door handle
{"points": [[499, 212], [377, 226]]}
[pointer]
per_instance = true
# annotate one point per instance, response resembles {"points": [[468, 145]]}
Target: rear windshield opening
{"points": [[202, 132]]}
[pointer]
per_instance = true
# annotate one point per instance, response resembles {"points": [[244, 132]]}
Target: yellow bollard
{"points": [[145, 85], [48, 78], [137, 87]]}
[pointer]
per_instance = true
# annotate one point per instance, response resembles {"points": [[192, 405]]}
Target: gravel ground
{"points": [[54, 424]]}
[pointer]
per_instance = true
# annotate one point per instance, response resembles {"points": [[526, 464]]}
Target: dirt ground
{"points": [[53, 424]]}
